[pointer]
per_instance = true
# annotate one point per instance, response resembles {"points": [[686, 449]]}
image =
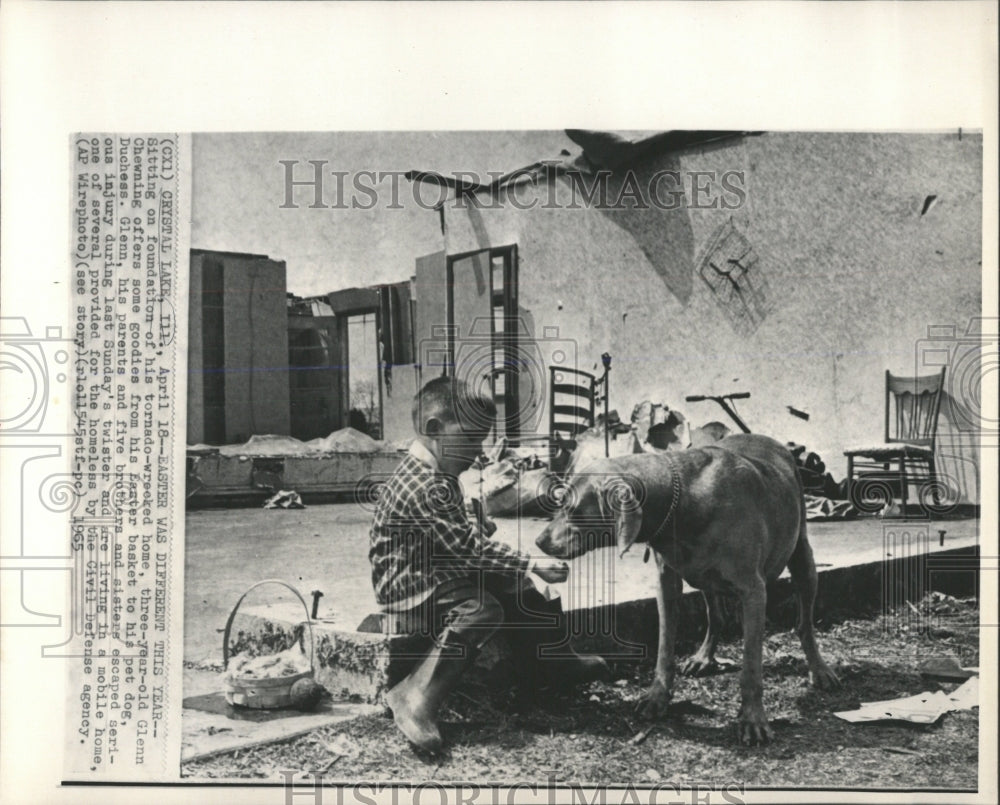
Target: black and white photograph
{"points": [[499, 402], [585, 458]]}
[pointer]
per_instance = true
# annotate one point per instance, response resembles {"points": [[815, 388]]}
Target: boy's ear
{"points": [[433, 427], [616, 499]]}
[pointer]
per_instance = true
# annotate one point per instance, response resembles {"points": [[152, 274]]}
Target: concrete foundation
{"points": [[363, 665]]}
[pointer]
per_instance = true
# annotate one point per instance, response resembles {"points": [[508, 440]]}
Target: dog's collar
{"points": [[675, 496]]}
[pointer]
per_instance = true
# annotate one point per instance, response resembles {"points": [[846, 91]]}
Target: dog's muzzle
{"points": [[561, 541]]}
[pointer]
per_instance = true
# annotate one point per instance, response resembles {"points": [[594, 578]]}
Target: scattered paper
{"points": [[966, 696], [923, 708]]}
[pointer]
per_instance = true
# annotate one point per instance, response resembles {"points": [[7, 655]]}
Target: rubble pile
{"points": [[515, 481], [657, 427], [590, 444], [815, 479], [510, 480], [345, 440]]}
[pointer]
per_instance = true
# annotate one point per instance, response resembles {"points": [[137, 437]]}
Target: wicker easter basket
{"points": [[265, 693]]}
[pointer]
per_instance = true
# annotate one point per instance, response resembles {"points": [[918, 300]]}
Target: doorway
{"points": [[314, 376], [364, 393]]}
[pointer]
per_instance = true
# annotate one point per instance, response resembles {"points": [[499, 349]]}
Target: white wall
{"points": [[856, 274]]}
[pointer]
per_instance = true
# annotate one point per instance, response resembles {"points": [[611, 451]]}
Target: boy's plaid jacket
{"points": [[422, 537]]}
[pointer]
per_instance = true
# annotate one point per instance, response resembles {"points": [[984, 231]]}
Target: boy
{"points": [[434, 572]]}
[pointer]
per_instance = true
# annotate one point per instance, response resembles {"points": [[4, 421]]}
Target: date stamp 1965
{"points": [[123, 387]]}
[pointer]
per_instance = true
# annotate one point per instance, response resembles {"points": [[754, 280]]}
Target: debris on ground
{"points": [[946, 668], [658, 427], [284, 499], [564, 736], [641, 736], [345, 440], [923, 708], [901, 750], [343, 746], [508, 480], [938, 603], [821, 508], [590, 444]]}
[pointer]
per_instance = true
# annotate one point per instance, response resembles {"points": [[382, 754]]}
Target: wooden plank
{"points": [[571, 410], [577, 391]]}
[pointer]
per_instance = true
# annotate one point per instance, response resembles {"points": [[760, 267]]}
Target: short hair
{"points": [[451, 400]]}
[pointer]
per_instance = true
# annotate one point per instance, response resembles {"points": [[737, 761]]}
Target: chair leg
{"points": [[904, 487]]}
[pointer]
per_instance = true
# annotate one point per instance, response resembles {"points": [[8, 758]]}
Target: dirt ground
{"points": [[591, 736]]}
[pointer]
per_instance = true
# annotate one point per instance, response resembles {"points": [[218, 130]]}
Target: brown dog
{"points": [[726, 518]]}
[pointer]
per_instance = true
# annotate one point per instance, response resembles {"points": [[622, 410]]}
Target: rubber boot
{"points": [[575, 669], [564, 667], [416, 700]]}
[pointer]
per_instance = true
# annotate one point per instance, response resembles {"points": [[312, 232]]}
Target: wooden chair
{"points": [[906, 456], [572, 402]]}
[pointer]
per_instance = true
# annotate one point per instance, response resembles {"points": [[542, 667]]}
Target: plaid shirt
{"points": [[422, 537]]}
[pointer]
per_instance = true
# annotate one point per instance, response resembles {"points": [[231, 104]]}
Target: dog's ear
{"points": [[618, 500]]}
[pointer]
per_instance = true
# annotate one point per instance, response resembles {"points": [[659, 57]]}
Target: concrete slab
{"points": [[326, 547], [366, 665]]}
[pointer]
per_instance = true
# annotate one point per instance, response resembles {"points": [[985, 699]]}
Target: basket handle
{"points": [[232, 616]]}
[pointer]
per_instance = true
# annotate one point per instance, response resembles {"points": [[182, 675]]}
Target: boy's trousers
{"points": [[474, 609]]}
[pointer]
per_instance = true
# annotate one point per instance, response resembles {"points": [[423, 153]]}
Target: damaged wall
{"points": [[397, 404], [851, 266], [238, 333]]}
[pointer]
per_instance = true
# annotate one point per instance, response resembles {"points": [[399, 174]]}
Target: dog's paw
{"points": [[753, 729], [823, 678], [654, 702]]}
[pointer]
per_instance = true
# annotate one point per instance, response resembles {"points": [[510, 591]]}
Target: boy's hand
{"points": [[552, 570]]}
